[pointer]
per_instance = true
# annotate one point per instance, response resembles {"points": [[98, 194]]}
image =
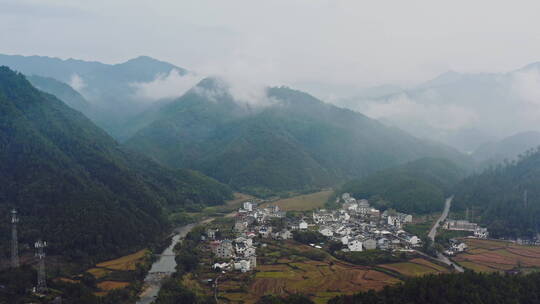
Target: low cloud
{"points": [[166, 86], [404, 110], [77, 83], [526, 84]]}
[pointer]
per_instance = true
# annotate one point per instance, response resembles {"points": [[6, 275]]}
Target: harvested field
{"points": [[124, 263], [303, 202], [99, 273], [489, 256], [413, 269], [111, 285]]}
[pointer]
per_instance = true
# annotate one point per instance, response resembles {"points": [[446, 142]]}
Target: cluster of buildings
{"points": [[464, 225], [358, 226], [251, 222]]}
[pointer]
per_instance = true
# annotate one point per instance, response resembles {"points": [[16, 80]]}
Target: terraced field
{"points": [[303, 202], [415, 267], [497, 256], [321, 280]]}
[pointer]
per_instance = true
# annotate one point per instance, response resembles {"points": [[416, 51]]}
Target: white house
{"points": [[242, 265], [481, 233], [413, 240], [344, 240], [355, 245], [248, 206], [370, 244], [460, 247], [326, 231], [303, 225], [249, 251]]}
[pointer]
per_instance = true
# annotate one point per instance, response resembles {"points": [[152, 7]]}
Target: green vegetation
{"points": [[74, 186], [371, 257], [416, 187], [294, 143], [468, 287], [308, 237], [505, 198]]}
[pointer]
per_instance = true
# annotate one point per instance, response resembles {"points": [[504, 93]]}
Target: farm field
{"points": [[124, 263], [498, 256], [284, 272], [303, 202], [415, 267]]}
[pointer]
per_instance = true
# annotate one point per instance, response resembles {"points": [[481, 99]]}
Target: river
{"points": [[163, 268]]}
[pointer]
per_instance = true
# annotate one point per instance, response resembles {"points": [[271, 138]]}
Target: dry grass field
{"points": [[303, 202], [124, 263], [111, 285], [415, 267], [99, 273], [492, 256]]}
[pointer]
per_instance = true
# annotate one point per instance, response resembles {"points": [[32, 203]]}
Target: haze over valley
{"points": [[269, 152]]}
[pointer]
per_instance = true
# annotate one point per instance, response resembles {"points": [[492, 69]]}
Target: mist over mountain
{"points": [[289, 140], [507, 149], [461, 109], [116, 92], [74, 184]]}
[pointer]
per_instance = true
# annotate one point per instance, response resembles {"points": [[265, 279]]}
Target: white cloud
{"points": [[77, 83], [526, 84], [166, 86], [404, 110]]}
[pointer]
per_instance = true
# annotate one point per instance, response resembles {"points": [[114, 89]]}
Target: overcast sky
{"points": [[355, 42]]}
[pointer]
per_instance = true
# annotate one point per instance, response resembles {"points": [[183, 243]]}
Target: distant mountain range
{"points": [[458, 109], [289, 141], [111, 90], [294, 142], [77, 187], [508, 148]]}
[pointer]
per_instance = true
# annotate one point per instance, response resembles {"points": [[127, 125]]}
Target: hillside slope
{"points": [[506, 149], [506, 198], [292, 142], [73, 184], [416, 187]]}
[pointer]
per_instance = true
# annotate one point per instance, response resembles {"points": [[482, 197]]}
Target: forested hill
{"points": [[290, 141], [62, 91], [416, 187], [506, 198], [74, 186]]}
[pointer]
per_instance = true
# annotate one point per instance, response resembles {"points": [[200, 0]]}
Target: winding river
{"points": [[163, 268]]}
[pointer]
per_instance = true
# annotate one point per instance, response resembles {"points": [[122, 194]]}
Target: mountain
{"points": [[463, 110], [74, 186], [288, 141], [419, 186], [112, 90], [509, 148], [61, 90], [505, 198]]}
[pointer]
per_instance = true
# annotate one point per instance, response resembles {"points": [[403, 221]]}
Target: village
{"points": [[356, 226]]}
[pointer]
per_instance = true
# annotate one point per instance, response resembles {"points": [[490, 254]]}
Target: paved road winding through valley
{"points": [[433, 232]]}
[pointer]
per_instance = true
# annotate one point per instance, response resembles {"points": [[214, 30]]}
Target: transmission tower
{"points": [[14, 240], [40, 254]]}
